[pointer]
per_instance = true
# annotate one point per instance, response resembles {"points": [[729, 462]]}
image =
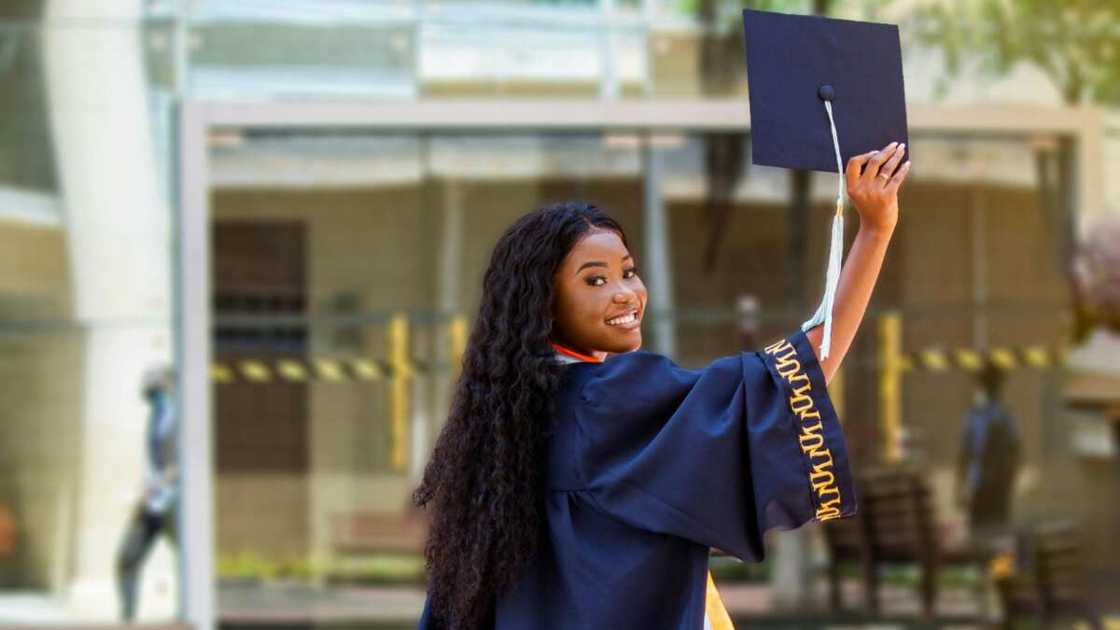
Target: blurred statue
{"points": [[989, 459], [155, 511]]}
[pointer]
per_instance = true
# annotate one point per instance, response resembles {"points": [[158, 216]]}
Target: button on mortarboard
{"points": [[796, 62]]}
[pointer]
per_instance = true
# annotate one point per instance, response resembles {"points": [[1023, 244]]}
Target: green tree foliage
{"points": [[1075, 42]]}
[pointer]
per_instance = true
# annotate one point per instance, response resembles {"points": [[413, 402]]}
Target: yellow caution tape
{"points": [[1003, 358], [256, 371], [969, 359], [330, 370], [935, 360], [291, 370]]}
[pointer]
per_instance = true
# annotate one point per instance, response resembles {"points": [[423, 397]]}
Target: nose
{"points": [[625, 297]]}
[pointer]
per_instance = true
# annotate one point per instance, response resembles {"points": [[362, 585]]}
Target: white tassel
{"points": [[835, 252], [832, 278]]}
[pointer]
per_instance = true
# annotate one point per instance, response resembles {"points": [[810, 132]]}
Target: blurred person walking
{"points": [[155, 512], [988, 460]]}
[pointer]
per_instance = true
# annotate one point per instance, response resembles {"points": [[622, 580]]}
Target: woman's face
{"points": [[599, 298]]}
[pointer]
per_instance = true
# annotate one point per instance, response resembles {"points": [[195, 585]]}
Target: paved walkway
{"points": [[295, 603], [291, 604]]}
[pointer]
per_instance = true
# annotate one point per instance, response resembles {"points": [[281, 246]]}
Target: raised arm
{"points": [[874, 192]]}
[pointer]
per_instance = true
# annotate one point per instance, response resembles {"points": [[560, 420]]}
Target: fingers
{"points": [[897, 179], [876, 162], [863, 170], [892, 164], [855, 164]]}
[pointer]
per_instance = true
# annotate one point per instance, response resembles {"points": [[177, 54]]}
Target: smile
{"points": [[628, 320]]}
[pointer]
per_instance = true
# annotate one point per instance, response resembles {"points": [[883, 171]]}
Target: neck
{"points": [[592, 358]]}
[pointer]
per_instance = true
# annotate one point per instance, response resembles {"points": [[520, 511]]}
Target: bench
{"points": [[1051, 585], [894, 525]]}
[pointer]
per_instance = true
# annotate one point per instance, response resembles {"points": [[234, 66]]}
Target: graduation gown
{"points": [[649, 465]]}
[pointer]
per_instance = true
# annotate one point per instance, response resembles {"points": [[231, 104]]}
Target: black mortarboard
{"points": [[791, 59], [821, 91]]}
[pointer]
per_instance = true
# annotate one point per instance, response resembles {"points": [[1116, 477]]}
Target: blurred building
{"points": [[293, 201]]}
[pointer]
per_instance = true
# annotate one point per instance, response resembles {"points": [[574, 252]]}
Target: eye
{"points": [[627, 274]]}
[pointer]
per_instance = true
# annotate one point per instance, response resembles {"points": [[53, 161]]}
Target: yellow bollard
{"points": [[457, 331], [400, 391], [890, 385]]}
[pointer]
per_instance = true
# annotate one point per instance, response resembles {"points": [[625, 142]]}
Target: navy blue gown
{"points": [[649, 465]]}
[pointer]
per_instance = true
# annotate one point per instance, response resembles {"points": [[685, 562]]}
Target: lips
{"points": [[629, 319]]}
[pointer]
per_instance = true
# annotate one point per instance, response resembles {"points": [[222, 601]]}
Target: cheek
{"points": [[586, 312], [571, 310]]}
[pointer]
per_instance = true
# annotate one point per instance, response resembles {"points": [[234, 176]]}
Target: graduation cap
{"points": [[821, 91]]}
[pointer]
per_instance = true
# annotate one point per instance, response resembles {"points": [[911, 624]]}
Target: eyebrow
{"points": [[596, 263]]}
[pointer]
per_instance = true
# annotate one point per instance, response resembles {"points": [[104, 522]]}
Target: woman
{"points": [[579, 483]]}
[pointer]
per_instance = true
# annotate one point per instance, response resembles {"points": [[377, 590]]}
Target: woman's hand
{"points": [[873, 180]]}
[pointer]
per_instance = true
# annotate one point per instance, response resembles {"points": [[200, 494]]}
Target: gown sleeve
{"points": [[717, 455]]}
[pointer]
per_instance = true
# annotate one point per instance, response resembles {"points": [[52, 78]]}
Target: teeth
{"points": [[623, 319]]}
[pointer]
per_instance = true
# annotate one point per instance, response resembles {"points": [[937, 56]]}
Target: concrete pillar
{"points": [[119, 245], [657, 253]]}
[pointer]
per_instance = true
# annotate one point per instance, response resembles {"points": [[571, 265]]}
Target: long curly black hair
{"points": [[484, 481]]}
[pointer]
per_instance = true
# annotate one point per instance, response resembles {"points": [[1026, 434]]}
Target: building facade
{"points": [[292, 203]]}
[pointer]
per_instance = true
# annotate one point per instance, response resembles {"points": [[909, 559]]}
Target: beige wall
{"points": [[39, 384]]}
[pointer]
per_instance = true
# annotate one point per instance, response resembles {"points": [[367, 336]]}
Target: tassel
{"points": [[835, 252]]}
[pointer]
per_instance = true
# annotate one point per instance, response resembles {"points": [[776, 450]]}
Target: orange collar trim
{"points": [[572, 353]]}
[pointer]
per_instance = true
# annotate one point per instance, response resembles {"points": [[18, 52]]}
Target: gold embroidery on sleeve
{"points": [[810, 434]]}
